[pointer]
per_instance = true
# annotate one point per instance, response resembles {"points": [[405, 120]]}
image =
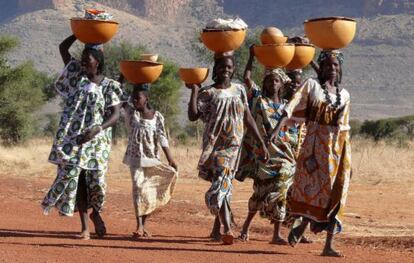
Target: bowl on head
{"points": [[140, 71], [275, 55], [272, 35], [330, 32], [93, 31], [223, 40], [193, 75], [304, 54]]}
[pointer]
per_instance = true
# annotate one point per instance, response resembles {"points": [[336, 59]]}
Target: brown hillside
{"points": [[378, 63]]}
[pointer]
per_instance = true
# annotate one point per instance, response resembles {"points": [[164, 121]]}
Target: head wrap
{"points": [[218, 55], [292, 71], [325, 54], [277, 72], [98, 47], [142, 87]]}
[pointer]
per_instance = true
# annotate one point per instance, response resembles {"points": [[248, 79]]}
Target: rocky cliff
{"points": [[287, 13]]}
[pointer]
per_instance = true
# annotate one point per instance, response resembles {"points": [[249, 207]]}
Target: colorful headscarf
{"points": [[277, 72], [325, 54]]}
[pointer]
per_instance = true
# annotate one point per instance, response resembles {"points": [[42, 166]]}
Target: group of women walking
{"points": [[291, 138], [250, 131]]}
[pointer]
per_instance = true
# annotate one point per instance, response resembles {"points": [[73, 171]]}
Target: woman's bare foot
{"points": [[99, 224], [146, 233], [215, 236], [84, 235], [306, 240], [244, 236], [330, 252], [227, 238], [279, 241], [137, 234]]}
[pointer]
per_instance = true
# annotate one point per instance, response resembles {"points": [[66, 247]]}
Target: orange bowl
{"points": [[272, 39], [93, 31], [275, 55], [139, 72], [304, 54], [193, 75], [272, 35], [330, 32], [223, 40]]}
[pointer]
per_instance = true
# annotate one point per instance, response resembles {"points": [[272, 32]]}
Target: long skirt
{"points": [[270, 195], [322, 176], [220, 191], [62, 193], [152, 187]]}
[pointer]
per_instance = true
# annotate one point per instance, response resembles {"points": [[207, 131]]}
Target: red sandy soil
{"points": [[179, 230]]}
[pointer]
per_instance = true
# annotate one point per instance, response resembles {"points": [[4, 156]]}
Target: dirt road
{"points": [[180, 229]]}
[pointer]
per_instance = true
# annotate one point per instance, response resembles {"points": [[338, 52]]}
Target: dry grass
{"points": [[30, 159], [371, 162], [381, 163]]}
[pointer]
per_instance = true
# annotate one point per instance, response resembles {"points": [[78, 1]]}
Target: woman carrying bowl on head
{"points": [[224, 110], [83, 140], [323, 167], [271, 179]]}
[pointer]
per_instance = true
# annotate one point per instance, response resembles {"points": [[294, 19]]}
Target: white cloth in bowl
{"points": [[219, 23]]}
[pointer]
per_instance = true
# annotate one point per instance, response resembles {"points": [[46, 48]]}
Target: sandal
{"points": [[332, 253], [244, 237], [280, 242], [295, 236], [99, 224], [228, 239]]}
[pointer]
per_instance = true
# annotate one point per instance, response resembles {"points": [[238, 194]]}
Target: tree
{"points": [[22, 92]]}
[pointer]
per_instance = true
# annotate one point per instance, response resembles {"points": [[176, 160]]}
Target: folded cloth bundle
{"points": [[97, 14], [226, 24]]}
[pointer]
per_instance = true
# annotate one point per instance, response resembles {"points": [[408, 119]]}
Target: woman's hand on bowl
{"points": [[251, 50], [192, 86]]}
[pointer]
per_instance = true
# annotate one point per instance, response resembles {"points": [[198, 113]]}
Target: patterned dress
{"points": [[222, 111], [152, 182], [273, 179], [86, 104], [324, 164]]}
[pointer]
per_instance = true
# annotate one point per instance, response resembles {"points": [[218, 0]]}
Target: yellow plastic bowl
{"points": [[304, 54], [193, 75], [93, 31], [330, 32], [139, 71], [275, 55], [223, 40], [272, 35]]}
